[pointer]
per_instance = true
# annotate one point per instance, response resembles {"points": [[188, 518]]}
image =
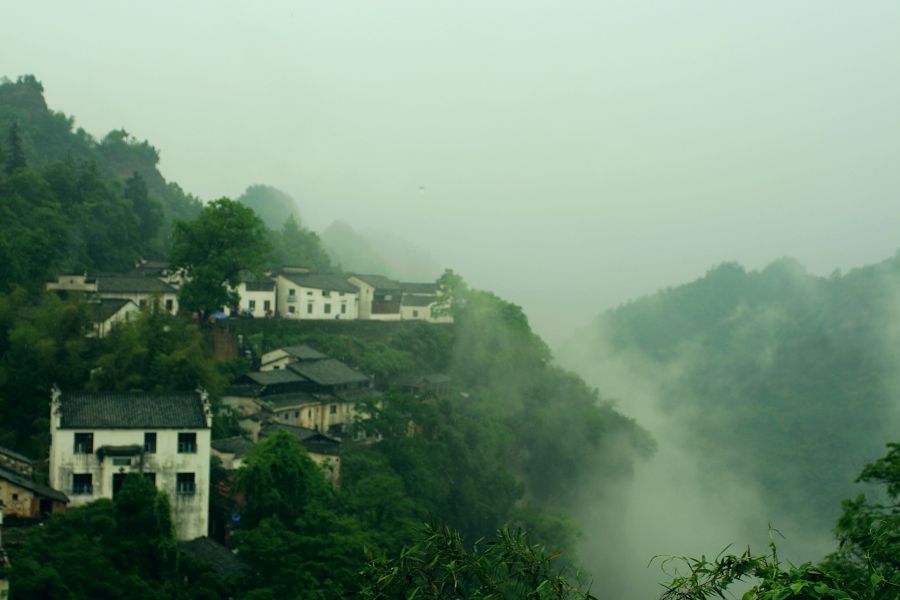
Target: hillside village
{"points": [[287, 293], [97, 439]]}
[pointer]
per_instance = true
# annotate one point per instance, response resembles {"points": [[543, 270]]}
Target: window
{"points": [[334, 409], [343, 309], [187, 443], [326, 294], [82, 484], [296, 414], [150, 442], [309, 293], [151, 477], [15, 497], [170, 304], [415, 314], [252, 305], [184, 484], [84, 443], [291, 310], [267, 305], [309, 308], [327, 308], [142, 303], [121, 462], [292, 292]]}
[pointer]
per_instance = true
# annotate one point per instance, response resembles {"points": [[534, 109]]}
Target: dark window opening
{"points": [[150, 442], [118, 480], [151, 477], [185, 484], [82, 484], [187, 443], [84, 443]]}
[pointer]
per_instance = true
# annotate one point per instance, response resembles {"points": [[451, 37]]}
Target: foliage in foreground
{"points": [[866, 565], [440, 567]]}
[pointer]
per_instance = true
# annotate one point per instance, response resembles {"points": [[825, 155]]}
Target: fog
{"points": [[567, 156]]}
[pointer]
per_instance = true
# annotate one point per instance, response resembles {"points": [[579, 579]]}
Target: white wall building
{"points": [[96, 439], [106, 313], [379, 297], [258, 298], [316, 296], [143, 291]]}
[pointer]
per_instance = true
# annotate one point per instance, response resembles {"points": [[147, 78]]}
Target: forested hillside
{"points": [[782, 380], [511, 444]]}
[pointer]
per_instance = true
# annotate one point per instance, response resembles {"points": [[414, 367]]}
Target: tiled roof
{"points": [[15, 455], [304, 352], [107, 307], [321, 281], [328, 372], [219, 558], [273, 377], [26, 483], [260, 286], [234, 445], [419, 288], [380, 282], [282, 401], [411, 300], [315, 441], [129, 285], [112, 410]]}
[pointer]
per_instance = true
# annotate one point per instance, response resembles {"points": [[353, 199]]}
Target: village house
{"points": [[13, 461], [379, 297], [257, 297], [143, 291], [96, 439], [315, 296], [323, 449], [106, 313], [23, 497], [419, 300], [282, 357], [73, 282]]}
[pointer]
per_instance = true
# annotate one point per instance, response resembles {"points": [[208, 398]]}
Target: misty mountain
{"points": [[50, 137], [378, 252], [779, 379], [272, 205]]}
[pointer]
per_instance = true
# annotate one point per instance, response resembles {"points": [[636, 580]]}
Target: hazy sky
{"points": [[568, 155]]}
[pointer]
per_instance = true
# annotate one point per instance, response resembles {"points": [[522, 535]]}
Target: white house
{"points": [[96, 439], [282, 357], [143, 291], [106, 313], [379, 297], [257, 298], [316, 296], [73, 282]]}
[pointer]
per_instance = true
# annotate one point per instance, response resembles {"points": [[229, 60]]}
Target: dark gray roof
{"points": [[15, 455], [321, 281], [412, 300], [304, 352], [107, 307], [315, 441], [419, 288], [128, 285], [246, 390], [234, 445], [26, 483], [273, 377], [328, 372], [113, 410], [281, 401], [260, 286], [380, 282], [219, 558]]}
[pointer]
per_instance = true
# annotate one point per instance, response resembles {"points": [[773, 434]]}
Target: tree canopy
{"points": [[226, 239]]}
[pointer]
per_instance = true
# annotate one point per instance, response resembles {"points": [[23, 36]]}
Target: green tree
{"points": [[148, 211], [296, 245], [224, 240], [16, 159], [441, 568]]}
